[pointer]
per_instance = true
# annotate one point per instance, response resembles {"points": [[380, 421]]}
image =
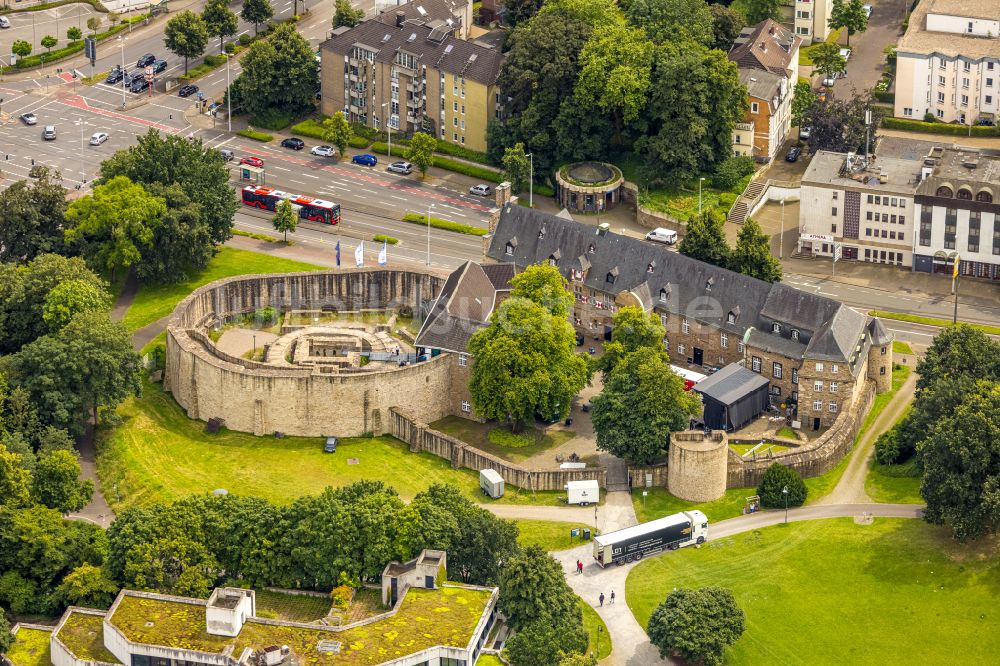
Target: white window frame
{"points": [[776, 370], [834, 368], [685, 326], [834, 387], [818, 386], [466, 406], [833, 407], [463, 360], [724, 340], [817, 405], [755, 363], [819, 367]]}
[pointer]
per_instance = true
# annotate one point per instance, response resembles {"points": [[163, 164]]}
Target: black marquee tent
{"points": [[733, 397]]}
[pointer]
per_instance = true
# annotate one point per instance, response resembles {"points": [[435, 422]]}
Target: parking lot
{"points": [[32, 26]]}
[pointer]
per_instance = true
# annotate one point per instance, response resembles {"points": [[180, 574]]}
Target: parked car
{"points": [[661, 235], [159, 66], [98, 138], [139, 83], [829, 81], [49, 133], [252, 161], [331, 445], [227, 155], [481, 190], [846, 53], [29, 118], [579, 339], [868, 11], [188, 90], [293, 143], [4, 22], [146, 60], [323, 151], [400, 167], [366, 159], [804, 132], [793, 154], [115, 75]]}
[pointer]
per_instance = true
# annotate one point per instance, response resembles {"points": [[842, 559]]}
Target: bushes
{"points": [[467, 169], [245, 39], [358, 142], [730, 170], [726, 200], [382, 238], [775, 479], [310, 127], [445, 148], [544, 191], [272, 119], [438, 223], [939, 128], [256, 136], [507, 439], [887, 447]]}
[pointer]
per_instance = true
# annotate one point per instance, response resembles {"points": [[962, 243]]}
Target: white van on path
{"points": [[661, 235]]}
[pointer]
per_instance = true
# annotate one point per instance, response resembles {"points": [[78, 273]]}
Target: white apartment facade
{"points": [[948, 62], [811, 20]]}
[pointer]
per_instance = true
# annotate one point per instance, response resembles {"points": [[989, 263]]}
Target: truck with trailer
{"points": [[634, 543]]}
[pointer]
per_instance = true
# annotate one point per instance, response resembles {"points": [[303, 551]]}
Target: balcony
{"points": [[743, 127]]}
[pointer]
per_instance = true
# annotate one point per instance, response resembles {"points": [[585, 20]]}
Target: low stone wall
{"points": [[810, 460], [637, 476], [646, 217], [421, 437]]}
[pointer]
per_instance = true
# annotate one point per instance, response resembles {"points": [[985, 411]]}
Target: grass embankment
{"points": [[158, 454], [829, 591], [895, 484], [447, 225], [156, 301], [805, 52], [901, 347], [263, 137], [659, 503], [549, 534], [499, 441], [931, 321], [680, 200]]}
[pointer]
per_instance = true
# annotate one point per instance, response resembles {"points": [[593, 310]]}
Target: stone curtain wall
{"points": [[814, 459], [262, 399], [420, 437]]}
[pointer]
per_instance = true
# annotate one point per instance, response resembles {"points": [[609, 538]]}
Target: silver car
{"points": [[49, 133], [323, 151], [481, 190], [29, 118], [400, 167]]}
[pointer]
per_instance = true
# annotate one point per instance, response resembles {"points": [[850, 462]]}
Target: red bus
{"points": [[310, 208]]}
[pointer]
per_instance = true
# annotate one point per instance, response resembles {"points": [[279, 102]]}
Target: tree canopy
{"points": [[31, 217], [849, 14], [285, 218], [220, 21], [632, 329], [186, 35], [673, 20], [279, 73], [56, 482], [337, 131], [532, 587], [256, 12], [840, 126], [516, 167], [543, 284], [706, 239], [346, 15], [698, 624], [752, 254], [421, 151], [71, 297], [776, 478]]}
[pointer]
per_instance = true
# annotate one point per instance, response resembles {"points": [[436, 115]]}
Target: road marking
{"points": [[309, 175], [280, 168], [398, 198]]}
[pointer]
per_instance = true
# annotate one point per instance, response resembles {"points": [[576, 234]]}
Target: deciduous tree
{"points": [[14, 480], [6, 638], [88, 586], [776, 478], [337, 131], [642, 402], [516, 167], [74, 33], [57, 485], [673, 20], [840, 126], [533, 586], [632, 329], [726, 26], [959, 351], [219, 20], [752, 254], [346, 15], [849, 14], [22, 49], [72, 297], [759, 10], [802, 101], [285, 218], [698, 624], [421, 151], [93, 23], [48, 41], [31, 217], [827, 59], [279, 74], [186, 35], [706, 239], [545, 641], [544, 284], [256, 12]]}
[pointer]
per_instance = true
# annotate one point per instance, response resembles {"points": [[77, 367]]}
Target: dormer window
{"points": [[795, 334], [709, 283], [541, 232], [663, 295], [650, 267], [776, 328], [552, 260], [943, 191], [731, 318], [610, 277], [509, 250], [591, 249]]}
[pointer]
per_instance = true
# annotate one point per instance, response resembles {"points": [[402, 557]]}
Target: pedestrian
{"points": [[579, 566], [601, 598], [612, 596]]}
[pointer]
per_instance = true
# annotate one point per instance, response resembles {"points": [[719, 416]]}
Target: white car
{"points": [[804, 132], [846, 53], [481, 190], [868, 11], [29, 118], [98, 138], [323, 151], [4, 22]]}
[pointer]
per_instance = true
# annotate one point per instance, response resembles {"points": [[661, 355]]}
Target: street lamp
{"points": [[955, 263], [700, 181], [784, 491], [122, 39], [388, 128], [781, 236], [429, 208], [229, 96], [531, 179], [83, 170]]}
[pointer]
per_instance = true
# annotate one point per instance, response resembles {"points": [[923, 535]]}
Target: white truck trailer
{"points": [[583, 492], [636, 542]]}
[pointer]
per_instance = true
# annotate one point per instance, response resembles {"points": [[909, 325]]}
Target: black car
{"points": [[293, 143], [115, 75], [139, 83], [146, 60], [331, 445], [793, 154], [188, 90], [159, 66]]}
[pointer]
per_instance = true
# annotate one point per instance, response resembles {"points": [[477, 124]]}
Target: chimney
{"points": [[763, 47], [400, 18], [502, 193]]}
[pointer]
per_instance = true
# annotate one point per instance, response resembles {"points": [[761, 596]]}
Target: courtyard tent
{"points": [[733, 397]]}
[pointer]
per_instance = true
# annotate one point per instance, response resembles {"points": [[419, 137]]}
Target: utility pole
{"points": [[781, 236]]}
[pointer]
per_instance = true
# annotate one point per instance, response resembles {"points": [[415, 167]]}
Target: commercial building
{"points": [[429, 623], [812, 20], [767, 55], [413, 74], [957, 210], [948, 62]]}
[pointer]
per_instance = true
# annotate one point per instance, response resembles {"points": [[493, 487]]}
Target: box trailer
{"points": [[491, 483], [583, 492], [634, 543]]}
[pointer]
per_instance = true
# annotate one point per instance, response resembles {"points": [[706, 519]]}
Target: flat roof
{"points": [[30, 647], [426, 618], [919, 40], [825, 167], [83, 635]]}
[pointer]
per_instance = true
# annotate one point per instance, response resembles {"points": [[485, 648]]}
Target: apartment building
{"points": [[957, 210], [767, 55], [811, 21], [864, 205], [948, 62], [412, 75]]}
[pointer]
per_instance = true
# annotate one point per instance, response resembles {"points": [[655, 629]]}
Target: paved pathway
{"points": [[97, 510]]}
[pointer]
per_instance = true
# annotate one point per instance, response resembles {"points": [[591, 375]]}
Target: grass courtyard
{"points": [[823, 592], [522, 446], [291, 607], [155, 301]]}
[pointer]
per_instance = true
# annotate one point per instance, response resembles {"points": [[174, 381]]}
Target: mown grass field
{"points": [[550, 534], [894, 484], [155, 301], [478, 435], [897, 591]]}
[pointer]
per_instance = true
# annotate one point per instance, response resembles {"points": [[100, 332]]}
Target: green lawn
{"points": [[30, 648], [901, 347], [743, 449], [156, 301], [477, 434], [292, 607], [598, 640], [489, 660], [159, 454], [897, 591], [930, 321], [549, 534], [660, 503], [894, 484]]}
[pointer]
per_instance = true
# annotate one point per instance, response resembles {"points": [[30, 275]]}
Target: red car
{"points": [[253, 161]]}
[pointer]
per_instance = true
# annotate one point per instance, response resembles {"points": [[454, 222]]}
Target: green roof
{"points": [[426, 618], [30, 648], [83, 635]]}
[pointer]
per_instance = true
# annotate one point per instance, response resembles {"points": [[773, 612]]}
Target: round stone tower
{"points": [[880, 357], [697, 465]]}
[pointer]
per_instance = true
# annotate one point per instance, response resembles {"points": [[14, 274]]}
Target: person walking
{"points": [[612, 596], [601, 598]]}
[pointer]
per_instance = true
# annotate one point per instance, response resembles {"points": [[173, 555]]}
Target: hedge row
{"points": [[382, 238], [939, 128], [310, 128], [884, 96], [256, 136], [447, 225]]}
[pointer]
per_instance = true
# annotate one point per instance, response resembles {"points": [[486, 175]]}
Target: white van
{"points": [[661, 235]]}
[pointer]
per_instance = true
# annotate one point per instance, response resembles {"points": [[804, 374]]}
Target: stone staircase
{"points": [[746, 201]]}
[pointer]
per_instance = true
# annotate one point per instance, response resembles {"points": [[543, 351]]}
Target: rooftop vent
{"points": [[412, 37], [472, 58], [421, 10], [448, 49], [970, 163], [386, 38]]}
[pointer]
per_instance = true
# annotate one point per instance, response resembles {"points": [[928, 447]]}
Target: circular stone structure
{"points": [[589, 186], [314, 380], [697, 464]]}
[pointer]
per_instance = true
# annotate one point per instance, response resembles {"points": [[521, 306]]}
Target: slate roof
{"points": [[696, 290], [423, 11], [767, 45], [877, 331], [730, 384], [464, 305], [449, 54], [761, 84]]}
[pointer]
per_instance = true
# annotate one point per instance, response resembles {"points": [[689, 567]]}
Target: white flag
{"points": [[359, 254], [382, 254]]}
